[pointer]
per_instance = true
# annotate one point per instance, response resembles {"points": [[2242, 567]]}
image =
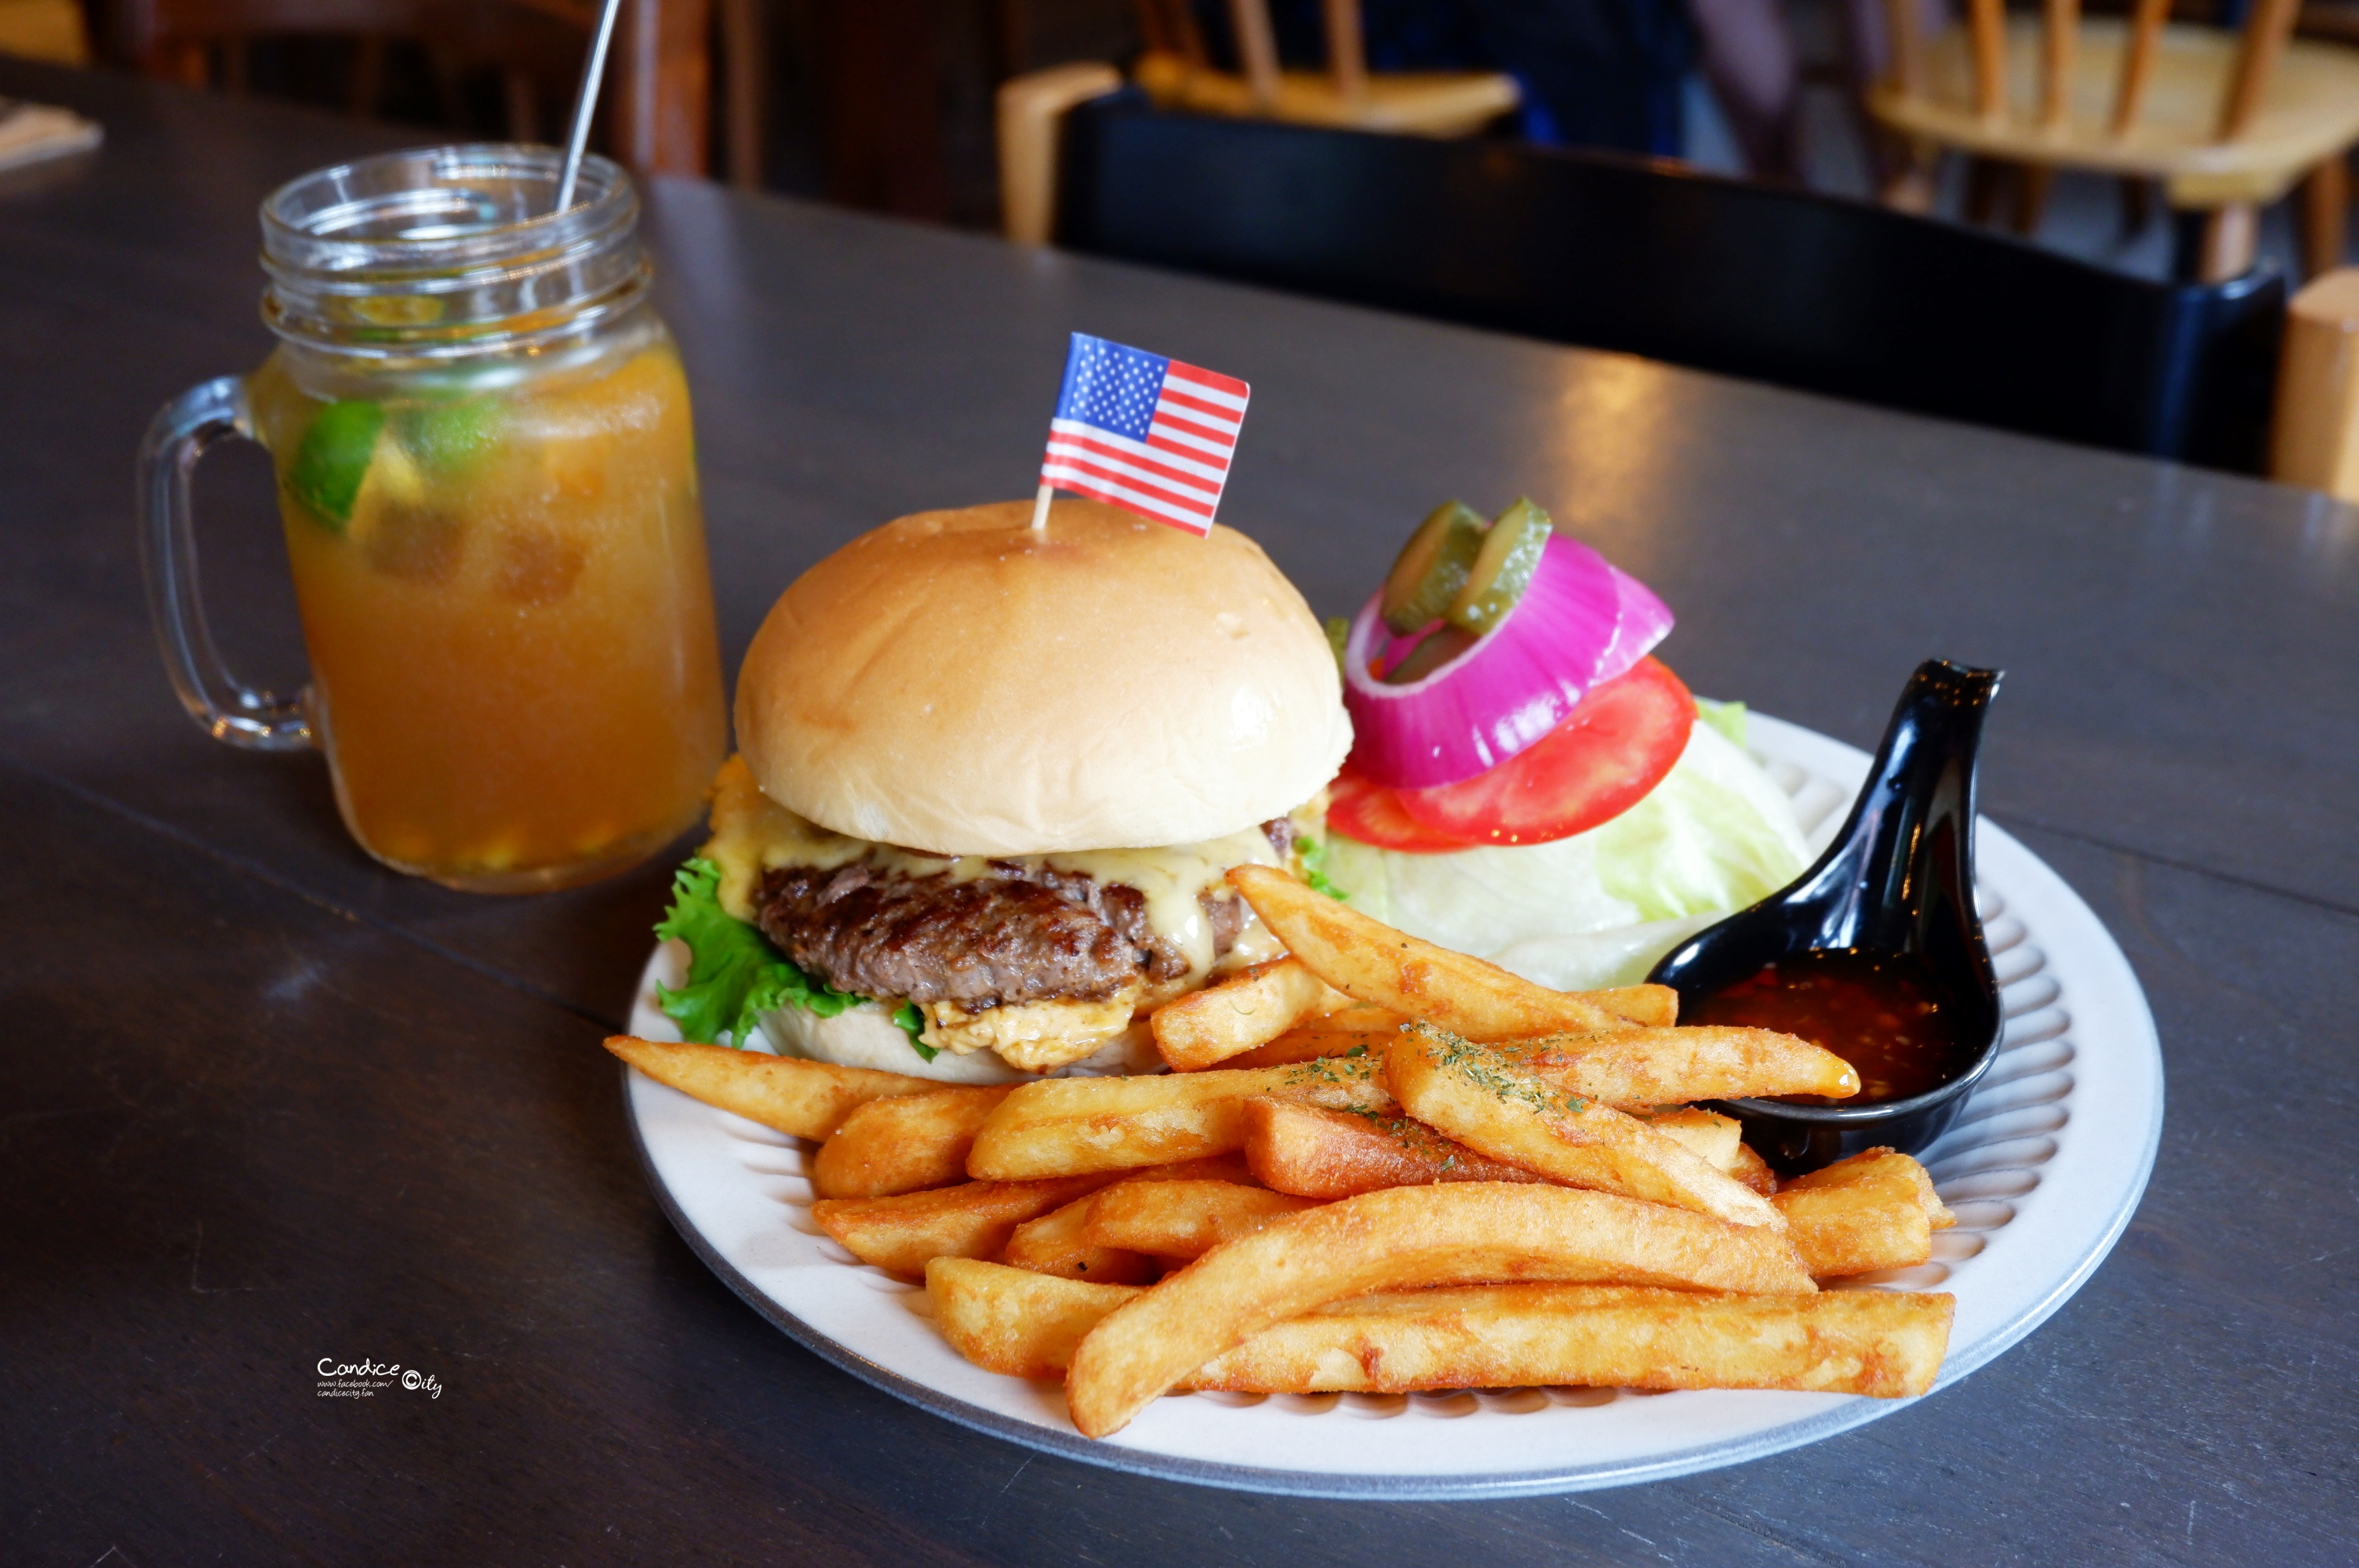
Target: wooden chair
{"points": [[50, 30], [2315, 439], [1808, 291], [659, 89], [1176, 74], [2226, 124]]}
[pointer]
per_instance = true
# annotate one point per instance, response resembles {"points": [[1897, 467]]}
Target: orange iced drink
{"points": [[505, 595]]}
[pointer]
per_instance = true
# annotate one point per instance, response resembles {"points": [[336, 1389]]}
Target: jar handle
{"points": [[225, 707]]}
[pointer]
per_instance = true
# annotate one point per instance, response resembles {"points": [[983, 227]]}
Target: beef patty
{"points": [[1018, 933]]}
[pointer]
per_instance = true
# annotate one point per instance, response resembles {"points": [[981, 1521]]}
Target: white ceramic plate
{"points": [[2043, 1169]]}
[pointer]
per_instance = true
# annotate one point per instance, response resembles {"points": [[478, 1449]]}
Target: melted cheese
{"points": [[752, 834]]}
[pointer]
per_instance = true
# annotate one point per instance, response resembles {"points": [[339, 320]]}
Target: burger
{"points": [[988, 784]]}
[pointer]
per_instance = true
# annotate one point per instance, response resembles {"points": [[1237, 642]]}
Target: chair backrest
{"points": [[1170, 27], [663, 86], [1806, 291], [661, 77], [2268, 24]]}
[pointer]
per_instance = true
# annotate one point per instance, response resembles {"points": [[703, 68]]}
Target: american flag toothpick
{"points": [[1147, 434]]}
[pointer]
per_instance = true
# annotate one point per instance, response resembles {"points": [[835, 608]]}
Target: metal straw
{"points": [[585, 101]]}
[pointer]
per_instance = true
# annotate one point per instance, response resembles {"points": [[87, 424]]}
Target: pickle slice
{"points": [[1432, 568], [1339, 637], [1503, 570], [1446, 644], [334, 460]]}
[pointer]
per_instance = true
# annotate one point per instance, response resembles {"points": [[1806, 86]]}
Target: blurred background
{"points": [[890, 105], [2116, 222]]}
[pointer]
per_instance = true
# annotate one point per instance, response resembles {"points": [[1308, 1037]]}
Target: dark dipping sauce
{"points": [[1884, 1015]]}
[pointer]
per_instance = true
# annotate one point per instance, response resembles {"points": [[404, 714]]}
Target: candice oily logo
{"points": [[362, 1380]]}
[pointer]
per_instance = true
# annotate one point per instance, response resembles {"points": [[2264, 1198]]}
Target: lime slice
{"points": [[334, 460], [449, 439], [399, 525]]}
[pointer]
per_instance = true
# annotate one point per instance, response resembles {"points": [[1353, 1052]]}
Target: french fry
{"points": [[1406, 1237], [1479, 1097], [1359, 1017], [1359, 1030], [1374, 963], [1058, 1243], [1841, 1231], [1752, 1171], [1879, 1343], [903, 1144], [1882, 1164], [1061, 1125], [1718, 1140], [808, 1099], [1244, 1010], [1317, 1153], [1710, 1137], [1228, 1167], [1014, 1319], [1874, 1210], [1673, 1066], [1182, 1220], [902, 1233]]}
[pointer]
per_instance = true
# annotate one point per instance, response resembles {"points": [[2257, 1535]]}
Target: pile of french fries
{"points": [[1377, 1165]]}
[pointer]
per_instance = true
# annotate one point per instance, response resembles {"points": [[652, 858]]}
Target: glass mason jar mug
{"points": [[487, 481]]}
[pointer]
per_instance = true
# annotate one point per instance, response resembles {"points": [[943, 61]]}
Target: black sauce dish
{"points": [[1897, 883]]}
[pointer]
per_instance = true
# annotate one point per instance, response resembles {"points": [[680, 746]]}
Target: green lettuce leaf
{"points": [[735, 975], [1339, 634], [913, 1024], [1313, 852], [1728, 718], [1716, 835], [1481, 899]]}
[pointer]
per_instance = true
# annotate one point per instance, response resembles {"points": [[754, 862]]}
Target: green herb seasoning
{"points": [[1494, 1073]]}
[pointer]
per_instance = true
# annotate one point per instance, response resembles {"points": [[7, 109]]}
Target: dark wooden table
{"points": [[268, 1103]]}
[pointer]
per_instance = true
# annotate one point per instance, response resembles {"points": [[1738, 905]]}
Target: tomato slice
{"points": [[1617, 745], [1372, 813]]}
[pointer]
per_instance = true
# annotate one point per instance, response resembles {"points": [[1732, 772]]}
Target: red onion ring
{"points": [[1579, 621], [1641, 622]]}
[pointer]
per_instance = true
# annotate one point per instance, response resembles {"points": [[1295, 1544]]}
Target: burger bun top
{"points": [[955, 682]]}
